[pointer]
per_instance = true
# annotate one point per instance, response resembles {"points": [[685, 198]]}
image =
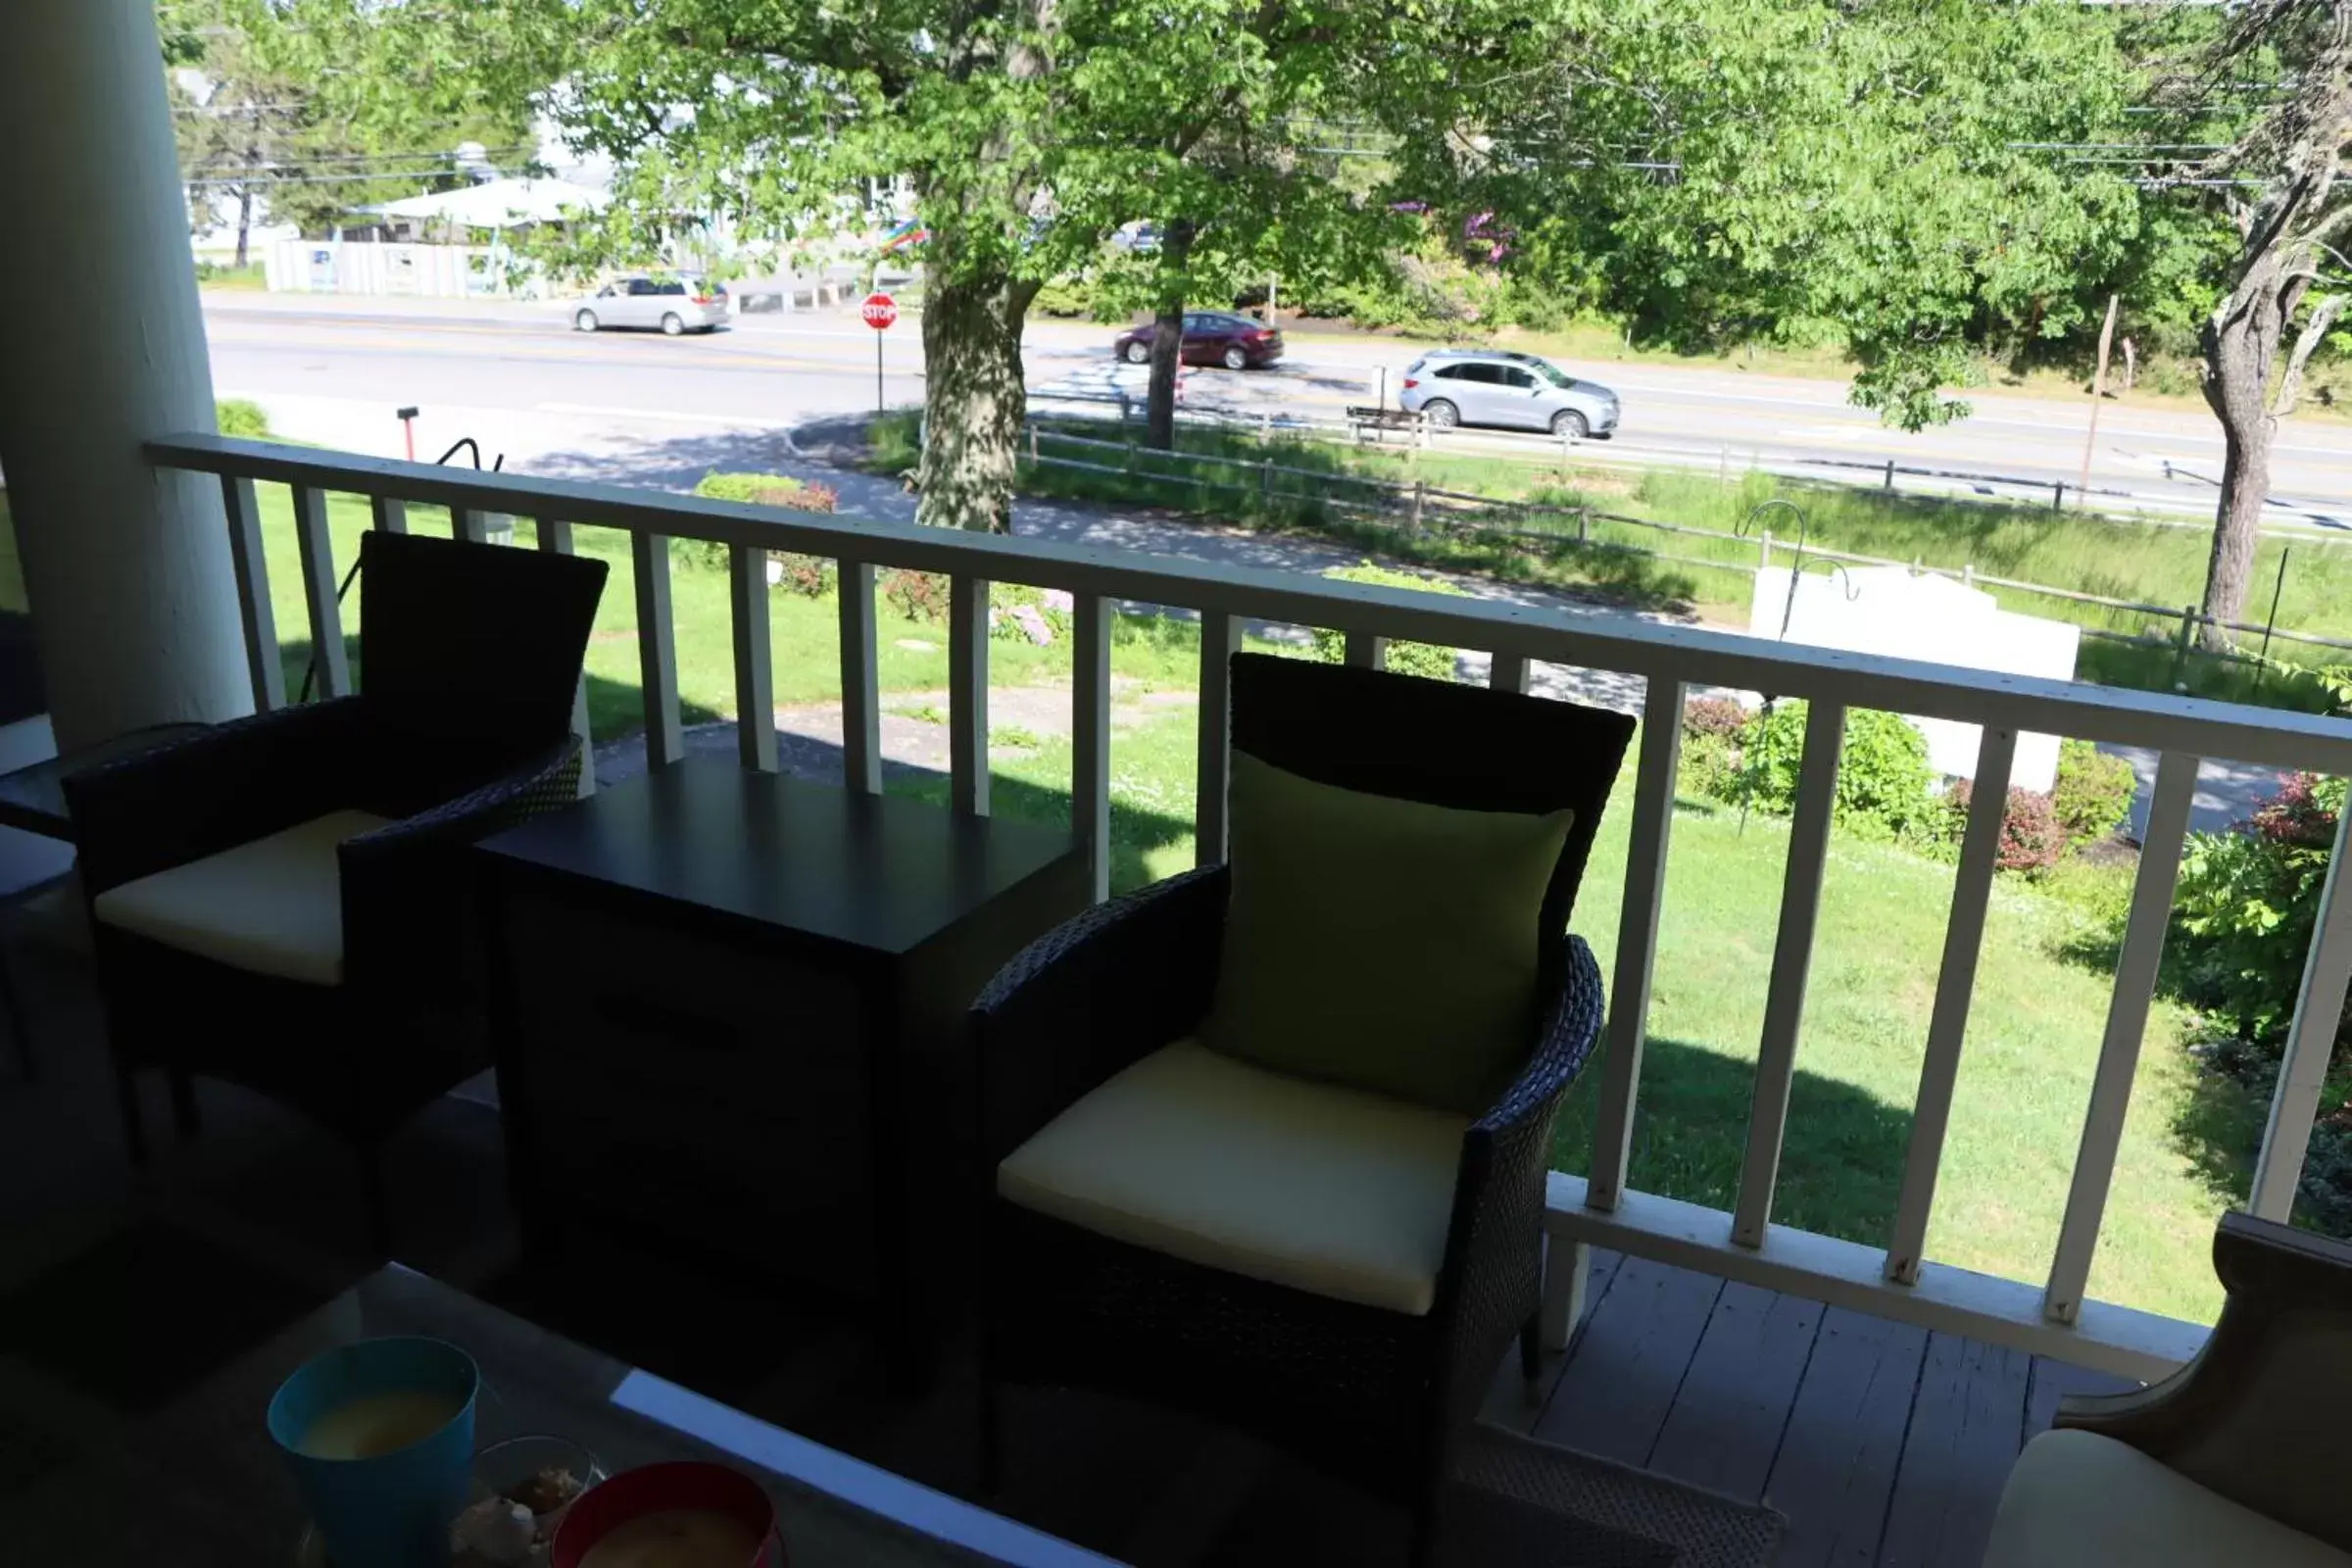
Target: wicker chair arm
{"points": [[214, 789], [1570, 1033], [1495, 1249], [408, 904], [1092, 997]]}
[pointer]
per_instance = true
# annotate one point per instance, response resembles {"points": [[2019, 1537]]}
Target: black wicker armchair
{"points": [[282, 902], [1374, 1388]]}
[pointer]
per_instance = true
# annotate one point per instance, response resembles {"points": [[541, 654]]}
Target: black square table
{"points": [[730, 1010]]}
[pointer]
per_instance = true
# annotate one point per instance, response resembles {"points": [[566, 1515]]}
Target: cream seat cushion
{"points": [[2080, 1501], [273, 906], [1318, 1187]]}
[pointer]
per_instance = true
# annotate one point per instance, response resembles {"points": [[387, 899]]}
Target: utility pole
{"points": [[2098, 390]]}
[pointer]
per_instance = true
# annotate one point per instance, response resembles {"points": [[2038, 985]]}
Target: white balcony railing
{"points": [[2052, 1316]]}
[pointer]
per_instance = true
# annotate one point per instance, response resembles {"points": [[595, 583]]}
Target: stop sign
{"points": [[879, 310]]}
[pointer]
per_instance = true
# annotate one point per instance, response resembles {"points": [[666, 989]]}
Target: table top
{"points": [[876, 872], [201, 1483], [33, 797]]}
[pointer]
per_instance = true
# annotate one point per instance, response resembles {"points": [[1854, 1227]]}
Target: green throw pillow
{"points": [[1381, 943]]}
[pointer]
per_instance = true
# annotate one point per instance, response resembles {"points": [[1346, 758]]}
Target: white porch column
{"points": [[102, 347]]}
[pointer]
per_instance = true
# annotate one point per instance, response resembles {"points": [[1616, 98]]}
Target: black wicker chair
{"points": [[217, 867], [1376, 1395]]}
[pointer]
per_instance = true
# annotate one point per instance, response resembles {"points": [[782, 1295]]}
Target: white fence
{"points": [[2048, 1315]]}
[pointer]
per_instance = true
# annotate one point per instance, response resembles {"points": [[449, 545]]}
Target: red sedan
{"points": [[1211, 337]]}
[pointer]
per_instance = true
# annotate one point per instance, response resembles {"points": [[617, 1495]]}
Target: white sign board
{"points": [[1888, 609]]}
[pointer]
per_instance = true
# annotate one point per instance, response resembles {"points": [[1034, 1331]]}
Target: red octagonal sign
{"points": [[879, 310]]}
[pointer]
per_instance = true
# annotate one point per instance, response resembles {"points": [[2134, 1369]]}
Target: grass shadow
{"points": [[1840, 1167]]}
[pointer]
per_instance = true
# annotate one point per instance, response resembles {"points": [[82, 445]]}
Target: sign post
{"points": [[879, 310]]}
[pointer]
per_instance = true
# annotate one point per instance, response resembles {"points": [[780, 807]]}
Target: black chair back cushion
{"points": [[472, 641], [1437, 742]]}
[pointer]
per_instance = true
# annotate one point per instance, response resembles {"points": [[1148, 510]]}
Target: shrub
{"points": [[2033, 839], [1425, 659], [916, 595], [1885, 787], [1718, 716], [809, 575], [769, 490], [2248, 901], [1712, 727], [2093, 793], [240, 417]]}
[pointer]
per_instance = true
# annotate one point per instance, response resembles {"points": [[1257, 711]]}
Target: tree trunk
{"points": [[1167, 338], [244, 222], [2240, 340], [973, 400]]}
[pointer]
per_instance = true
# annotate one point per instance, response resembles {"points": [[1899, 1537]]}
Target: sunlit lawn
{"points": [[911, 655]]}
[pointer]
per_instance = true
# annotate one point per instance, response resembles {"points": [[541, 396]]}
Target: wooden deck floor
{"points": [[1883, 1444]]}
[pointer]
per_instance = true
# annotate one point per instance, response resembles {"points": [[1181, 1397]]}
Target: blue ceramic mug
{"points": [[379, 1436]]}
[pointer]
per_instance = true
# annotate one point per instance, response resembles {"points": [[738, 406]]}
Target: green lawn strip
{"points": [[805, 632], [2142, 561]]}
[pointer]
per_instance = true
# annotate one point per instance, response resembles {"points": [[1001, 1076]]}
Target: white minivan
{"points": [[673, 304]]}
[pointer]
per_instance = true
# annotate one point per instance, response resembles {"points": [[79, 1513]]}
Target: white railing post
{"points": [[754, 658], [556, 539], [468, 525], [1090, 744], [1792, 963], [262, 662], [1220, 634], [2318, 1012], [967, 694], [861, 681], [2127, 1025], [1508, 672], [657, 649], [318, 553], [1955, 989], [1637, 942], [1367, 651], [390, 513]]}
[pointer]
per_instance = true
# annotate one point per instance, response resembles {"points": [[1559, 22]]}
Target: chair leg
{"points": [[134, 1124], [186, 1120], [373, 1195]]}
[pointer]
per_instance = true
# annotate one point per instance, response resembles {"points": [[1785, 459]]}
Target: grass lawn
{"points": [[2146, 563], [911, 656]]}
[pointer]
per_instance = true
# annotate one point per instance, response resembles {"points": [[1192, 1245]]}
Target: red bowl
{"points": [[658, 1488]]}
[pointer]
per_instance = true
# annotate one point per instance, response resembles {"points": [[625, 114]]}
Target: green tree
{"points": [[299, 106], [1029, 131], [1217, 145], [2281, 185], [1735, 169]]}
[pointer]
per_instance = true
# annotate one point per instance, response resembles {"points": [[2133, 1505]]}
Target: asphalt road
{"points": [[518, 379]]}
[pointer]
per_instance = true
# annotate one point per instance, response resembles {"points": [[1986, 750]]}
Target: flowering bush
{"points": [[2033, 839], [2247, 902]]}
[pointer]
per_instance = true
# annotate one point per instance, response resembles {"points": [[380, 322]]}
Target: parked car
{"points": [[1516, 391], [674, 305], [1211, 337]]}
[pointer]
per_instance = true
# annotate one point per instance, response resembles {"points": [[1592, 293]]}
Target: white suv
{"points": [[1516, 391]]}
